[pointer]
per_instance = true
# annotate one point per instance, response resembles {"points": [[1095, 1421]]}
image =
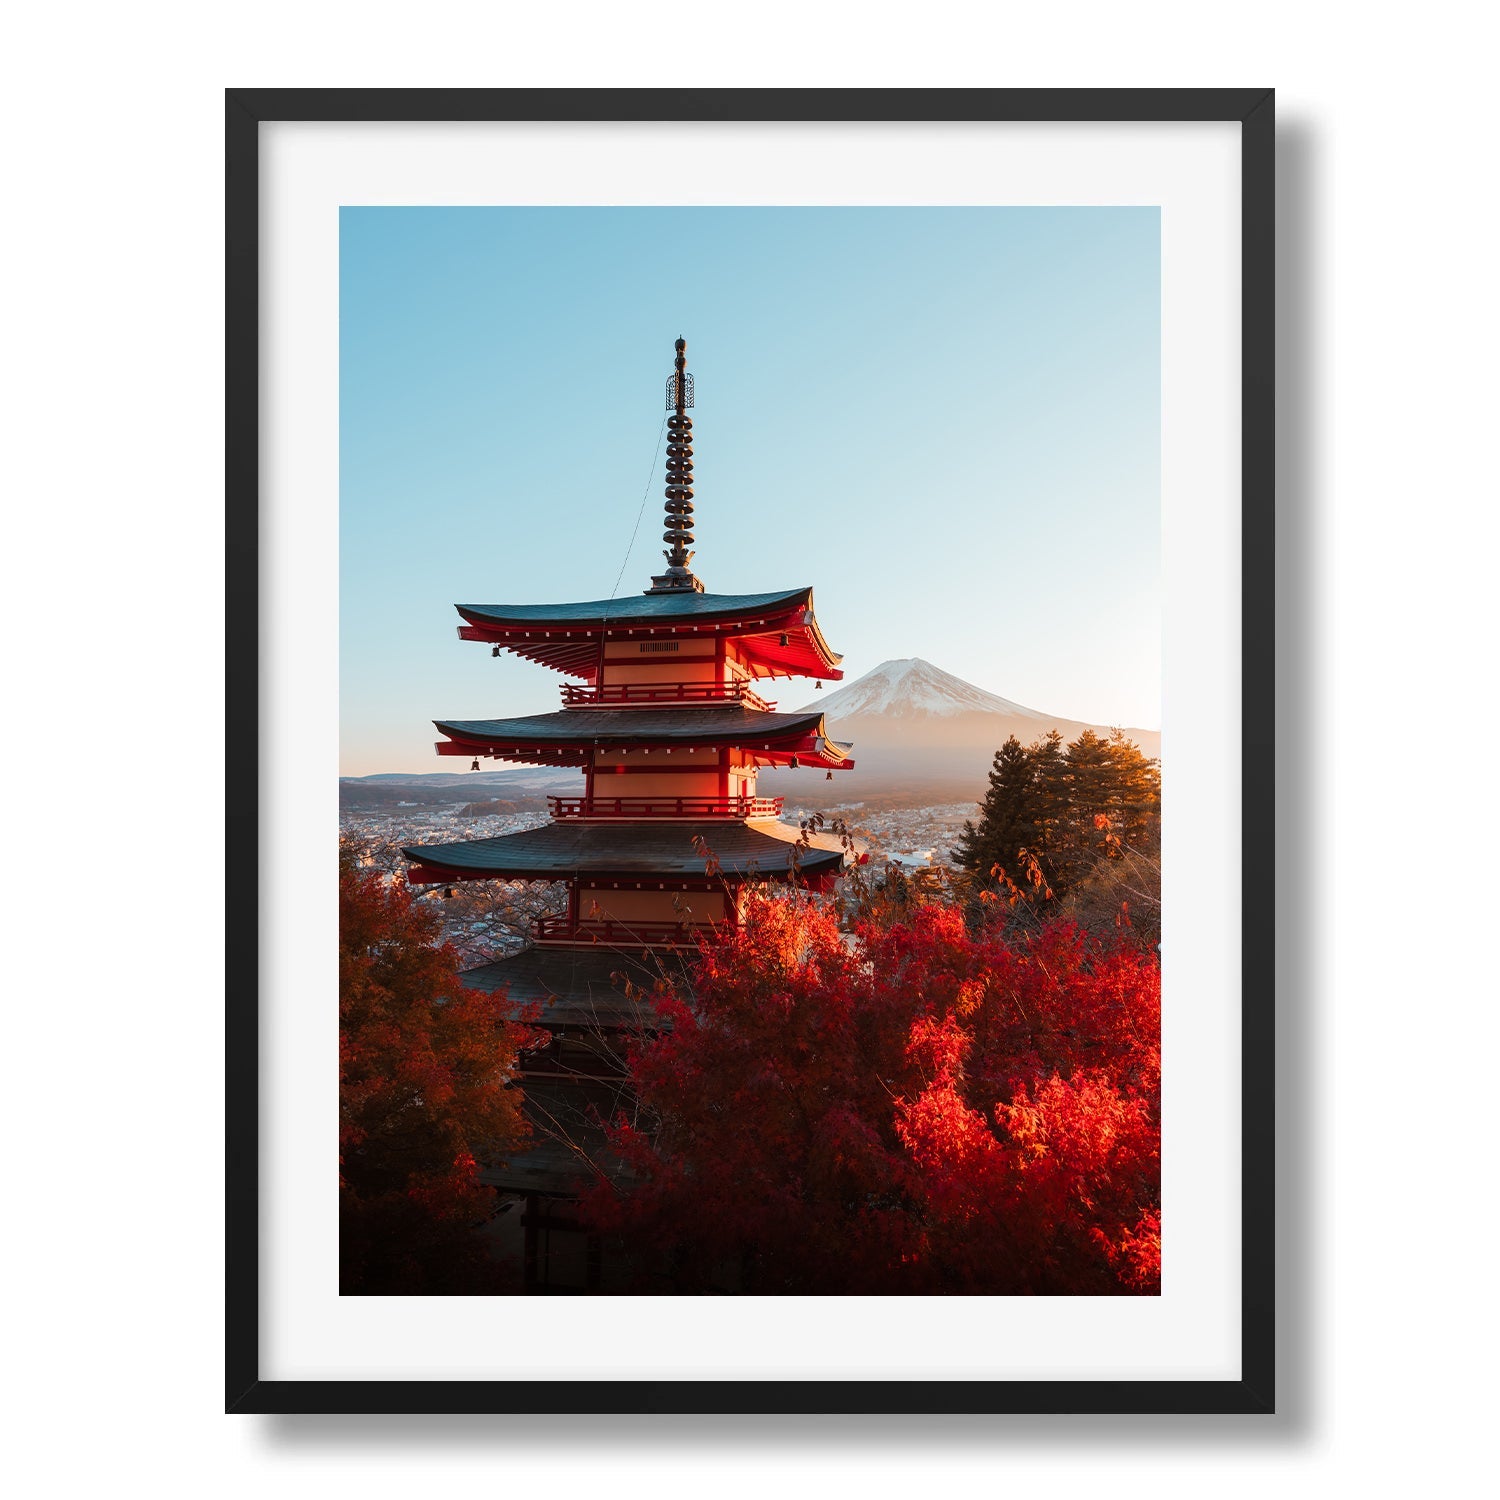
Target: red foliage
{"points": [[423, 1067], [925, 1110]]}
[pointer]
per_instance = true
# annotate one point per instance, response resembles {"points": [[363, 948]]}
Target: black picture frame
{"points": [[1254, 110]]}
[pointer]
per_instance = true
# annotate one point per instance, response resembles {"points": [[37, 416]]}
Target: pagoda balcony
{"points": [[662, 694], [665, 807], [614, 934]]}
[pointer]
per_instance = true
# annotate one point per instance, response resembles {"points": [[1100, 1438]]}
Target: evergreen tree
{"points": [[1135, 795], [1068, 807], [1089, 778], [1054, 798], [1007, 817]]}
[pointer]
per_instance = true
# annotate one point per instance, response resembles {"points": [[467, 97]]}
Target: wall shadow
{"points": [[1300, 654]]}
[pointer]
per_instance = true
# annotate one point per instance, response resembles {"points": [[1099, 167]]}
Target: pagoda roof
{"points": [[566, 637], [644, 852], [569, 1144], [641, 609], [568, 736], [580, 987]]}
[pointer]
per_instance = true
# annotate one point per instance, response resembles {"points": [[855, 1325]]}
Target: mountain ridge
{"points": [[911, 687]]}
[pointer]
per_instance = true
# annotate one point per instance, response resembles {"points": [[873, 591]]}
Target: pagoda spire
{"points": [[679, 511]]}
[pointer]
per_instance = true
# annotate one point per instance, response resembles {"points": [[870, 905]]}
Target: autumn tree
{"points": [[929, 1109], [1038, 1129], [1055, 815], [424, 1069], [1121, 893]]}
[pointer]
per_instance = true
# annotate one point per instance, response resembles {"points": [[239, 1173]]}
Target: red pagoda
{"points": [[666, 721]]}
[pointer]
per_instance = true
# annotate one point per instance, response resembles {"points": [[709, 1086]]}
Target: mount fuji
{"points": [[911, 688], [916, 727]]}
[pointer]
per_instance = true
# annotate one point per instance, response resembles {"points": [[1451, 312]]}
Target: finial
{"points": [[679, 510]]}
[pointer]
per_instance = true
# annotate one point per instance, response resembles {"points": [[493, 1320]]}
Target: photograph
{"points": [[750, 759]]}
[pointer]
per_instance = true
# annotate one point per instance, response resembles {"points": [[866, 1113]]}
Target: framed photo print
{"points": [[750, 621]]}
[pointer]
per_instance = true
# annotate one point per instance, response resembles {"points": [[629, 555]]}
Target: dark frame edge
{"points": [[241, 731], [976, 1398], [1258, 748], [1103, 105], [1254, 109]]}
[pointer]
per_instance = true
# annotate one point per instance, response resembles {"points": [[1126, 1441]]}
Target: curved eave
{"points": [[437, 867], [683, 856], [568, 638], [835, 756], [641, 611], [574, 737], [634, 852], [583, 986], [821, 755], [806, 653]]}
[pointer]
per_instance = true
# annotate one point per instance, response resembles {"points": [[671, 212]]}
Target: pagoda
{"points": [[664, 716]]}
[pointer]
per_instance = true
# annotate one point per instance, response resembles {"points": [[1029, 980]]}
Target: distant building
{"points": [[670, 731], [912, 857]]}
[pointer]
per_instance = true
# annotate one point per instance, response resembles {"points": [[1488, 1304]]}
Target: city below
{"points": [[905, 835]]}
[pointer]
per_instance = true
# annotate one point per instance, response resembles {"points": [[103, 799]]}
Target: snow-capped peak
{"points": [[913, 688]]}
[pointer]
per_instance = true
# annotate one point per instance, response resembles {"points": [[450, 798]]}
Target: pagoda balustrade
{"points": [[654, 694], [618, 934], [665, 807]]}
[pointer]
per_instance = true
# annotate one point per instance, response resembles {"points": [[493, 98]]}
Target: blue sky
{"points": [[946, 420]]}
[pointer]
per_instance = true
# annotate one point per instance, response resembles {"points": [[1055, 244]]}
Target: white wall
{"points": [[1388, 492]]}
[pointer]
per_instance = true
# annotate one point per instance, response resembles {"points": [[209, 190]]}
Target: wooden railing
{"points": [[665, 807], [611, 933], [657, 694]]}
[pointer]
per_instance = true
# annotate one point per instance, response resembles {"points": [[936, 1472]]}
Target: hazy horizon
{"points": [[945, 420]]}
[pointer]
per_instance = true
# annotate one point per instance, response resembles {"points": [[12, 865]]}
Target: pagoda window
{"points": [[685, 782], [600, 903]]}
